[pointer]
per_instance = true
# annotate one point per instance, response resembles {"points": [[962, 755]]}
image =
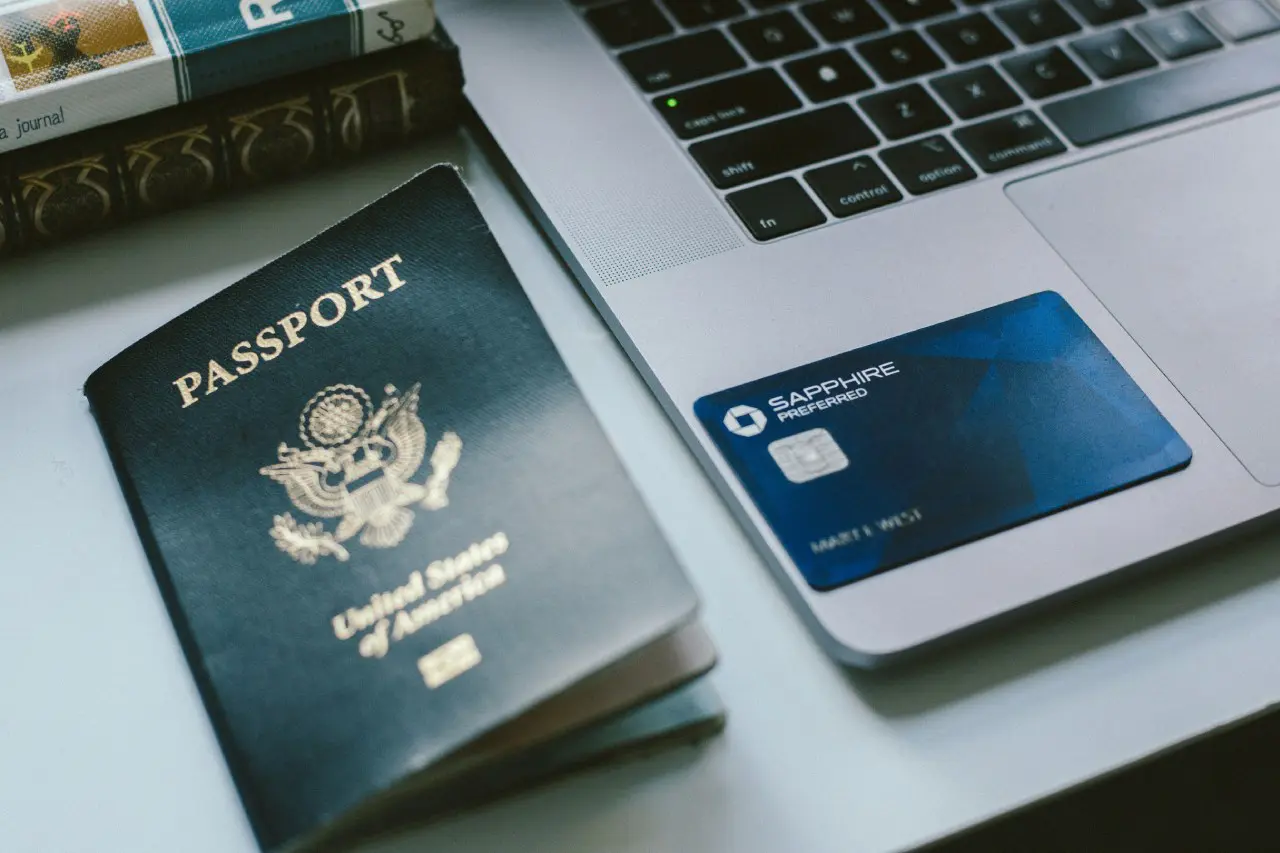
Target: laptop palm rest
{"points": [[1179, 239]]}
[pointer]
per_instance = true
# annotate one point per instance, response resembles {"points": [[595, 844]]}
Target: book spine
{"points": [[8, 222], [71, 65], [234, 142]]}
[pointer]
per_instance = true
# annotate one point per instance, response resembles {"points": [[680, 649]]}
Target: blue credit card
{"points": [[889, 453]]}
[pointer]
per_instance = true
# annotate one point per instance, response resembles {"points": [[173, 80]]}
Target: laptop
{"points": [[1019, 256]]}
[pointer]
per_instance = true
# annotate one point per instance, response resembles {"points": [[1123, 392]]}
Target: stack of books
{"points": [[113, 110]]}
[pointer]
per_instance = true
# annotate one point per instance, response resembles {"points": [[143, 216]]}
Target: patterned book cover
{"points": [[239, 140], [385, 522], [69, 65]]}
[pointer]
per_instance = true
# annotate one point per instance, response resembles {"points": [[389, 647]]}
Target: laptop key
{"points": [[1045, 73], [1099, 12], [899, 56], [910, 11], [1240, 19], [780, 146], [1184, 90], [975, 92], [853, 186], [776, 209], [695, 13], [771, 36], [628, 22], [1009, 141], [681, 60], [841, 20], [1178, 36], [1034, 21], [833, 74], [1113, 54], [927, 165], [726, 103], [903, 112], [970, 37]]}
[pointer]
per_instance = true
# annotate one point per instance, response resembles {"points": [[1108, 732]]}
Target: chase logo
{"points": [[745, 421]]}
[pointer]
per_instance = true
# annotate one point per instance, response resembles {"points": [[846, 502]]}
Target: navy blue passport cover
{"points": [[885, 454], [382, 515]]}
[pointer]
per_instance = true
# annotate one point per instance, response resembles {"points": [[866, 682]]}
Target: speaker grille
{"points": [[623, 232]]}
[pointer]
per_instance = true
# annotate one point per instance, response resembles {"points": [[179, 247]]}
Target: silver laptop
{"points": [[745, 187]]}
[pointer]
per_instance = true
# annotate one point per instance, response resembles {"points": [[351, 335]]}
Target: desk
{"points": [[104, 744]]}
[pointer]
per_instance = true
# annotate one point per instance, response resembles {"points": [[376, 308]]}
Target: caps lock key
{"points": [[726, 103]]}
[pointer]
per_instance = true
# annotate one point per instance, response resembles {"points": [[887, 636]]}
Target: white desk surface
{"points": [[104, 744]]}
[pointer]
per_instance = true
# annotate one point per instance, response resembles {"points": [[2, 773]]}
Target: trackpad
{"points": [[1178, 239]]}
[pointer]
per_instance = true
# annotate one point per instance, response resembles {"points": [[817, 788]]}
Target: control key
{"points": [[853, 186]]}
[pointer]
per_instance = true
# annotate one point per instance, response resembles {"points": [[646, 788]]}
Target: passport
{"points": [[877, 457], [405, 565]]}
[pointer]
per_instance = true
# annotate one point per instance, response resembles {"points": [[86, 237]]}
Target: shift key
{"points": [[726, 103], [780, 146]]}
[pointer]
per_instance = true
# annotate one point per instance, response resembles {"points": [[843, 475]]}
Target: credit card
{"points": [[892, 452]]}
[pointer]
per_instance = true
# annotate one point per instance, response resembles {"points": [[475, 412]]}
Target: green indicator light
{"points": [[672, 102]]}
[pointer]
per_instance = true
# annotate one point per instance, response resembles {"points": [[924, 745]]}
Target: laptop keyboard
{"points": [[803, 111]]}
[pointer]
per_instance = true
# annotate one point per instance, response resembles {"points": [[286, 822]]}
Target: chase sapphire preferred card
{"points": [[880, 456]]}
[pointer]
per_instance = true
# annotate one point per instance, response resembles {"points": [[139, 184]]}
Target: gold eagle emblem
{"points": [[358, 465]]}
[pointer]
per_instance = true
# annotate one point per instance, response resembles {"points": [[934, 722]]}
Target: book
{"points": [[70, 65], [240, 140], [400, 554]]}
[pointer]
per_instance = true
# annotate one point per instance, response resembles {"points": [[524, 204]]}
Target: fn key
{"points": [[776, 209]]}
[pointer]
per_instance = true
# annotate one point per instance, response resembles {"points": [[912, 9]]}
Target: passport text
{"points": [[328, 309]]}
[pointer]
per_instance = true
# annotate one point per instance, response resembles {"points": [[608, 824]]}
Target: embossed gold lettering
{"points": [[361, 291], [326, 311], [218, 373], [389, 271], [468, 588], [442, 572], [292, 324], [243, 354], [270, 345], [381, 604], [375, 643], [187, 386], [339, 310], [398, 613]]}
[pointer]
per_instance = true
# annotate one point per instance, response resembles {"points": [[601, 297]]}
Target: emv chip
{"points": [[808, 455]]}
